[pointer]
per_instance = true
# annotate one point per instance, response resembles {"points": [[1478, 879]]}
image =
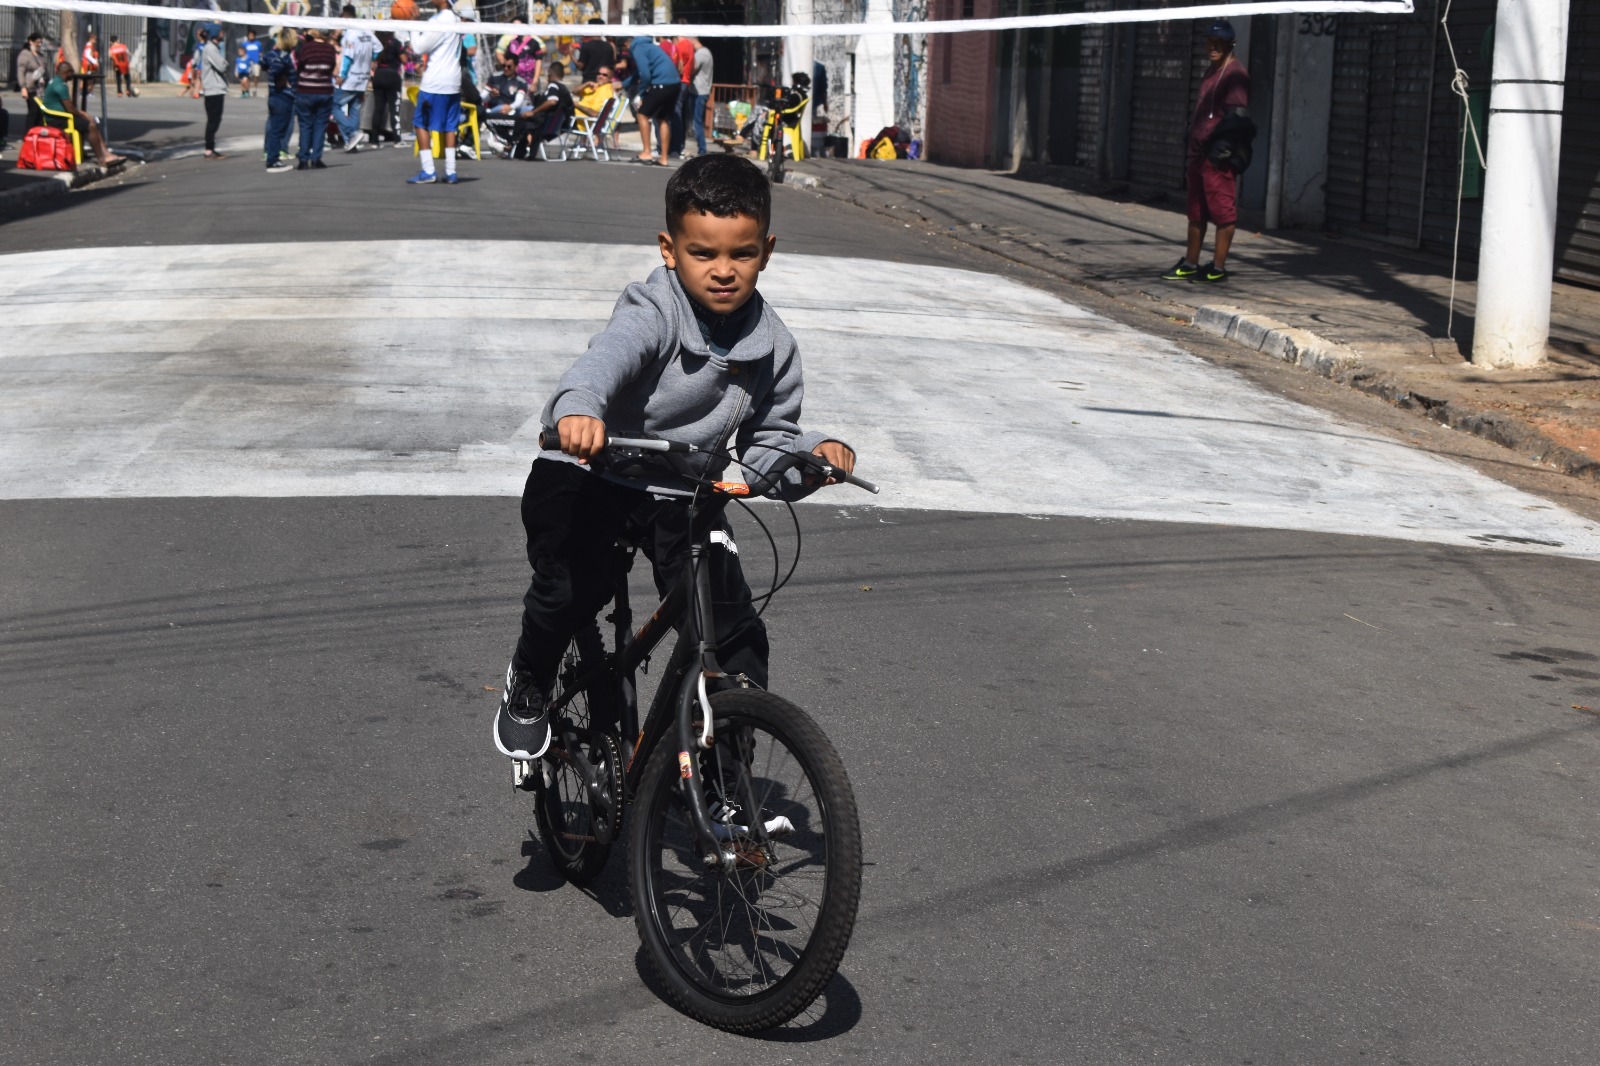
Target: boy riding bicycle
{"points": [[693, 354]]}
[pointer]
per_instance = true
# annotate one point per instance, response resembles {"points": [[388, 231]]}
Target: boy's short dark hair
{"points": [[721, 185]]}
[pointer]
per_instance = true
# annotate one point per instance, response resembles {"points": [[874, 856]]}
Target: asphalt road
{"points": [[1133, 790]]}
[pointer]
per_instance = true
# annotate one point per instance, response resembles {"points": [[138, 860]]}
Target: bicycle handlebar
{"points": [[550, 439]]}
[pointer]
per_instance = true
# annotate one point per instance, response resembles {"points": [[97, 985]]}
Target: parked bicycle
{"points": [[781, 135], [744, 845]]}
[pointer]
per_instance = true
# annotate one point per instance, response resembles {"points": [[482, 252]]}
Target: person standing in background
{"points": [[439, 95], [1212, 190], [387, 81], [252, 55], [681, 49], [595, 54], [194, 65], [316, 61], [655, 81], [280, 75], [89, 69], [700, 86], [213, 83], [33, 75], [356, 52], [120, 65]]}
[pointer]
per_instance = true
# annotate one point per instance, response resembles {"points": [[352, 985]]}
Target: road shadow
{"points": [[76, 198], [833, 1013], [609, 889]]}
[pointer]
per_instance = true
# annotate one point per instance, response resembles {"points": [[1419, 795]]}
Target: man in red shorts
{"points": [[1212, 189]]}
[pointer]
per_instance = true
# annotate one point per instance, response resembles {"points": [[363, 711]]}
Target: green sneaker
{"points": [[1210, 274], [1184, 271]]}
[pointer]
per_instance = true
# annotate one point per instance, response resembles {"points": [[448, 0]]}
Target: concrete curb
{"points": [[1338, 363], [1262, 334]]}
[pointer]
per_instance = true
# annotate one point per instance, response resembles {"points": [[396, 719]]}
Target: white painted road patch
{"points": [[419, 368]]}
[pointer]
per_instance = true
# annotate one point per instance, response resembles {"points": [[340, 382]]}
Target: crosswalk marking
{"points": [[419, 367]]}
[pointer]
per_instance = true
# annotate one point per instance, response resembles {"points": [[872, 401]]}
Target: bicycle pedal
{"points": [[522, 777]]}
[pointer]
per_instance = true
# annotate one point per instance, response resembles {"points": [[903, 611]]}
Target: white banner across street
{"points": [[816, 29]]}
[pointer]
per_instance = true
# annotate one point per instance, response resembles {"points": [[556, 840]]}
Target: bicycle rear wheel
{"points": [[577, 835], [749, 948]]}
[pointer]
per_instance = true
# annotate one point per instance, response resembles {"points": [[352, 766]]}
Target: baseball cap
{"points": [[1220, 29]]}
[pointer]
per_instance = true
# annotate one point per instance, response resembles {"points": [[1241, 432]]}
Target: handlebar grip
{"points": [[850, 479], [859, 482], [550, 440]]}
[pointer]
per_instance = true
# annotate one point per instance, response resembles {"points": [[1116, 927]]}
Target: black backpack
{"points": [[1229, 147]]}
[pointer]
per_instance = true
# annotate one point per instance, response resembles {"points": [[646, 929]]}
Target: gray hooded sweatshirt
{"points": [[653, 372]]}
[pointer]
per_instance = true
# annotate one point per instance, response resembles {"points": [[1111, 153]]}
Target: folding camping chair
{"points": [[588, 133]]}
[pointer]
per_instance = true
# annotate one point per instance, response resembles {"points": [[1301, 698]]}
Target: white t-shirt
{"points": [[443, 76], [359, 47]]}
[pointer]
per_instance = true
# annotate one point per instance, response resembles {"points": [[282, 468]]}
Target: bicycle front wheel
{"points": [[748, 948]]}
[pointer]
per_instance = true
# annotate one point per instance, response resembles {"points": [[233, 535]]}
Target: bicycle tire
{"points": [[662, 876], [561, 809]]}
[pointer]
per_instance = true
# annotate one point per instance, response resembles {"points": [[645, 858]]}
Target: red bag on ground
{"points": [[46, 148]]}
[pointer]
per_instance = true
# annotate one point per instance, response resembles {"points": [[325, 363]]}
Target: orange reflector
{"points": [[732, 488]]}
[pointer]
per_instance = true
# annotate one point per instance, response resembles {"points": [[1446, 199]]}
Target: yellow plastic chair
{"points": [[467, 132], [71, 130]]}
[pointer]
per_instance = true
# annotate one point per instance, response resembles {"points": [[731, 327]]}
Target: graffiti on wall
{"points": [[910, 68]]}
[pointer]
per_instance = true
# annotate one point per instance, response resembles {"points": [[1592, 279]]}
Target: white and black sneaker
{"points": [[522, 723], [728, 820], [355, 141]]}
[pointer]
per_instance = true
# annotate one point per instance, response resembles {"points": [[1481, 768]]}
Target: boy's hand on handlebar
{"points": [[582, 437], [834, 454]]}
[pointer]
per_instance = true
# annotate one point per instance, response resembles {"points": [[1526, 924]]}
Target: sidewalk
{"points": [[1370, 316], [162, 124], [159, 123]]}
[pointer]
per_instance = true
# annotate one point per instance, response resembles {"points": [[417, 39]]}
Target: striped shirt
{"points": [[316, 61]]}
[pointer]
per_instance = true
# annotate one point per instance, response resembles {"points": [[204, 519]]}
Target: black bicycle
{"points": [[743, 839]]}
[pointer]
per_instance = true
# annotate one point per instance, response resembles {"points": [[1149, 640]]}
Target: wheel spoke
{"points": [[750, 944]]}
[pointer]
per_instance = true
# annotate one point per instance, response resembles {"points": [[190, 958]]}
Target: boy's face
{"points": [[717, 259]]}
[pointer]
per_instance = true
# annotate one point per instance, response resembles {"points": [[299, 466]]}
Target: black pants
{"points": [[213, 119], [121, 78], [573, 519], [383, 101], [682, 118]]}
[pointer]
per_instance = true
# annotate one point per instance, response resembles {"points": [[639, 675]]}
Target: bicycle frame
{"points": [[682, 688], [781, 126]]}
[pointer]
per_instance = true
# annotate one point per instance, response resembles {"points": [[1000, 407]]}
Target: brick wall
{"points": [[962, 93]]}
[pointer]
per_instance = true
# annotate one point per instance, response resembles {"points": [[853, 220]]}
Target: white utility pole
{"points": [[1517, 258], [797, 53]]}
